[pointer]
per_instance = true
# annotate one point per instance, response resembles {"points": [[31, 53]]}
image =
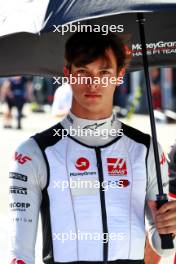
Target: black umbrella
{"points": [[42, 54]]}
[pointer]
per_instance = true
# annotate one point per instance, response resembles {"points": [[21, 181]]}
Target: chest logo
{"points": [[117, 166], [82, 164]]}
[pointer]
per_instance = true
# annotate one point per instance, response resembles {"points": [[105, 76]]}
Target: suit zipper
{"points": [[103, 205]]}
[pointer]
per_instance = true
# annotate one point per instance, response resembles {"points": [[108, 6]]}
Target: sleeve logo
{"points": [[18, 190], [18, 176], [20, 158]]}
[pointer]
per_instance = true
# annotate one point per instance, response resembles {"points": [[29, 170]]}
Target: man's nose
{"points": [[93, 83]]}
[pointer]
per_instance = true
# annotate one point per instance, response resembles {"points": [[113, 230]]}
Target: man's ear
{"points": [[66, 71]]}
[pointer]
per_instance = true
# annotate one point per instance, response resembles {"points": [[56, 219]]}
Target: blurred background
{"points": [[31, 104]]}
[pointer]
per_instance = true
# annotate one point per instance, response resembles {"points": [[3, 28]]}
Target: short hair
{"points": [[84, 47]]}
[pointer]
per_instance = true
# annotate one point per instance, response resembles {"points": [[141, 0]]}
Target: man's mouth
{"points": [[92, 95]]}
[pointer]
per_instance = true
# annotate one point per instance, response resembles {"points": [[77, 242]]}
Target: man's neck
{"points": [[91, 115]]}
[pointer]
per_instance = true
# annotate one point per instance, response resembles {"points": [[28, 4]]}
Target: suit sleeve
{"points": [[152, 190], [27, 178]]}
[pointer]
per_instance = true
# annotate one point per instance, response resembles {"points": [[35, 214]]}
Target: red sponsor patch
{"points": [[163, 159], [17, 261], [117, 166], [20, 158], [82, 164], [124, 183]]}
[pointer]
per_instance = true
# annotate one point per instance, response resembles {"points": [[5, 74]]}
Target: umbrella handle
{"points": [[141, 20], [166, 239]]}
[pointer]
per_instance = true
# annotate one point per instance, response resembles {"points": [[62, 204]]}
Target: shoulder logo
{"points": [[20, 158]]}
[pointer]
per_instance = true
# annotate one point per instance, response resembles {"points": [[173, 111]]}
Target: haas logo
{"points": [[82, 164], [117, 166], [21, 158]]}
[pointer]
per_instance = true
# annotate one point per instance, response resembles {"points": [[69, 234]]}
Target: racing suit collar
{"points": [[76, 121], [99, 130]]}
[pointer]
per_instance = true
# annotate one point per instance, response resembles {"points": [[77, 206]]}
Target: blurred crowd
{"points": [[129, 98], [17, 90]]}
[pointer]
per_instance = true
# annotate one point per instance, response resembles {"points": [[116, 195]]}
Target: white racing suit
{"points": [[91, 193]]}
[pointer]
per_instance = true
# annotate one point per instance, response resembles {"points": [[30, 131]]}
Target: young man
{"points": [[94, 186]]}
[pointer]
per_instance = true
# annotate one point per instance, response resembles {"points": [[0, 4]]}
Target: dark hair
{"points": [[84, 47]]}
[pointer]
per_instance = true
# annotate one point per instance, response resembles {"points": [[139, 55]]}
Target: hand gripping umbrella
{"points": [[42, 53]]}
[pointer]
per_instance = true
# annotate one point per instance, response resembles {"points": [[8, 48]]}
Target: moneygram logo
{"points": [[117, 166], [82, 164]]}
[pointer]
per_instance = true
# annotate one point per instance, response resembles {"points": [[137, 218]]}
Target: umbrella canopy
{"points": [[34, 42]]}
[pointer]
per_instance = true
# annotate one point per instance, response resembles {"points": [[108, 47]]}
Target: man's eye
{"points": [[82, 71], [105, 72]]}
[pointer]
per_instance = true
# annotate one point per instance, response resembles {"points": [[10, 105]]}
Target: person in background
{"points": [[14, 92], [62, 101]]}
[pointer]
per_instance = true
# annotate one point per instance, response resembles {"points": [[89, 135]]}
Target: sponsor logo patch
{"points": [[18, 206], [21, 219], [20, 158], [119, 183], [117, 166], [18, 176], [94, 126], [18, 190], [82, 164]]}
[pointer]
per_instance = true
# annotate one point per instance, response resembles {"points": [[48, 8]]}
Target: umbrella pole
{"points": [[166, 240]]}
